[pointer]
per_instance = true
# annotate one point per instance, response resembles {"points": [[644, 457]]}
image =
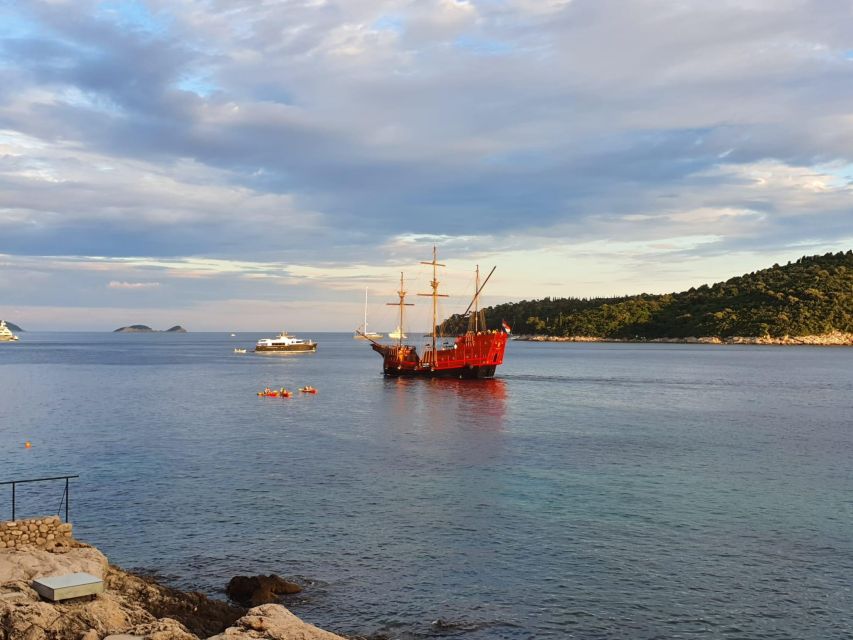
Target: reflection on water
{"points": [[478, 403]]}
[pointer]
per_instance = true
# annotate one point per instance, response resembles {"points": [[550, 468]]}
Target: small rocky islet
{"points": [[143, 328], [13, 327]]}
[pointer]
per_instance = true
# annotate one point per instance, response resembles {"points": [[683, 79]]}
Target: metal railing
{"points": [[66, 496]]}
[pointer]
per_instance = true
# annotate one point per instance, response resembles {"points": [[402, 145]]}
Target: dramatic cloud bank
{"points": [[227, 163]]}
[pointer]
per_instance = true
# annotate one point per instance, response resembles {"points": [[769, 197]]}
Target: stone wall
{"points": [[39, 533]]}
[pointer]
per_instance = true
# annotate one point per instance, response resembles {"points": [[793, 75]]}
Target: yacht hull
{"points": [[291, 348]]}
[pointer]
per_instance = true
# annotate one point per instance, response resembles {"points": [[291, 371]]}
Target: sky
{"points": [[255, 164]]}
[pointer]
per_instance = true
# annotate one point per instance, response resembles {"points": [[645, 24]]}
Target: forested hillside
{"points": [[811, 296]]}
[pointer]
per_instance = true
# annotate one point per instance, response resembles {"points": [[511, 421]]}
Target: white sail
{"points": [[362, 332]]}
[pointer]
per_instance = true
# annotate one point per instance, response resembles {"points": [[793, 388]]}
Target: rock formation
{"points": [[131, 607], [832, 339], [135, 328], [273, 622], [255, 590]]}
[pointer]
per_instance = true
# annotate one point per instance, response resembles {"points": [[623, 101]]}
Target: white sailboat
{"points": [[362, 333]]}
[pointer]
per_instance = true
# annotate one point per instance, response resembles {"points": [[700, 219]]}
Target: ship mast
{"points": [[479, 291], [401, 304], [477, 301], [435, 296]]}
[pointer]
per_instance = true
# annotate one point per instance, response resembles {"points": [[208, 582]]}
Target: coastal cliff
{"points": [[130, 608]]}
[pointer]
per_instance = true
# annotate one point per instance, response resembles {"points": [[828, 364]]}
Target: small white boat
{"points": [[6, 334], [239, 351], [397, 334], [233, 335]]}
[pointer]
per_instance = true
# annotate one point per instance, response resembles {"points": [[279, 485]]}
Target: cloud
{"points": [[115, 284], [292, 140]]}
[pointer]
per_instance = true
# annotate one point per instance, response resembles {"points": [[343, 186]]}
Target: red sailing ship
{"points": [[474, 354]]}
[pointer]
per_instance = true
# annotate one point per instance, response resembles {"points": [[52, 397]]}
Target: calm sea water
{"points": [[591, 491]]}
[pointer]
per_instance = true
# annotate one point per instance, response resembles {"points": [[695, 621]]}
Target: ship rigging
{"points": [[475, 354]]}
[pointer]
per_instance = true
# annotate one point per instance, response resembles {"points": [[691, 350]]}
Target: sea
{"points": [[589, 491]]}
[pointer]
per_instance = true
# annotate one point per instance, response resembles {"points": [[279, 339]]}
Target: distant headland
{"points": [[809, 301], [142, 328], [13, 327]]}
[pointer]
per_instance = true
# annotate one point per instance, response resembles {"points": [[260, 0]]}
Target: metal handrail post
{"points": [[13, 502], [67, 499]]}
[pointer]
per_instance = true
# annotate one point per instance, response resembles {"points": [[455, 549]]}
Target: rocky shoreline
{"points": [[833, 339], [130, 608]]}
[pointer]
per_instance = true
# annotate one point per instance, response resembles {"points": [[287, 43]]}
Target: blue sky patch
{"points": [[483, 46], [134, 15]]}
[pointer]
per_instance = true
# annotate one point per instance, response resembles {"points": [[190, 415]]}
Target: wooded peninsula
{"points": [[810, 297]]}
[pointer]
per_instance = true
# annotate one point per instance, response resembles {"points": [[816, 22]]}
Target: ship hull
{"points": [[468, 372], [472, 356]]}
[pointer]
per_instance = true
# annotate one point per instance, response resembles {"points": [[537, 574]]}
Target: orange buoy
{"points": [[28, 445]]}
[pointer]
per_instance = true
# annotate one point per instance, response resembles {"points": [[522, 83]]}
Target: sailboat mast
{"points": [[479, 290], [365, 312], [434, 284], [477, 300], [435, 296], [402, 294]]}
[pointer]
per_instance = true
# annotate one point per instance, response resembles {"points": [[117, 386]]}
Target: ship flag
{"points": [[506, 327]]}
